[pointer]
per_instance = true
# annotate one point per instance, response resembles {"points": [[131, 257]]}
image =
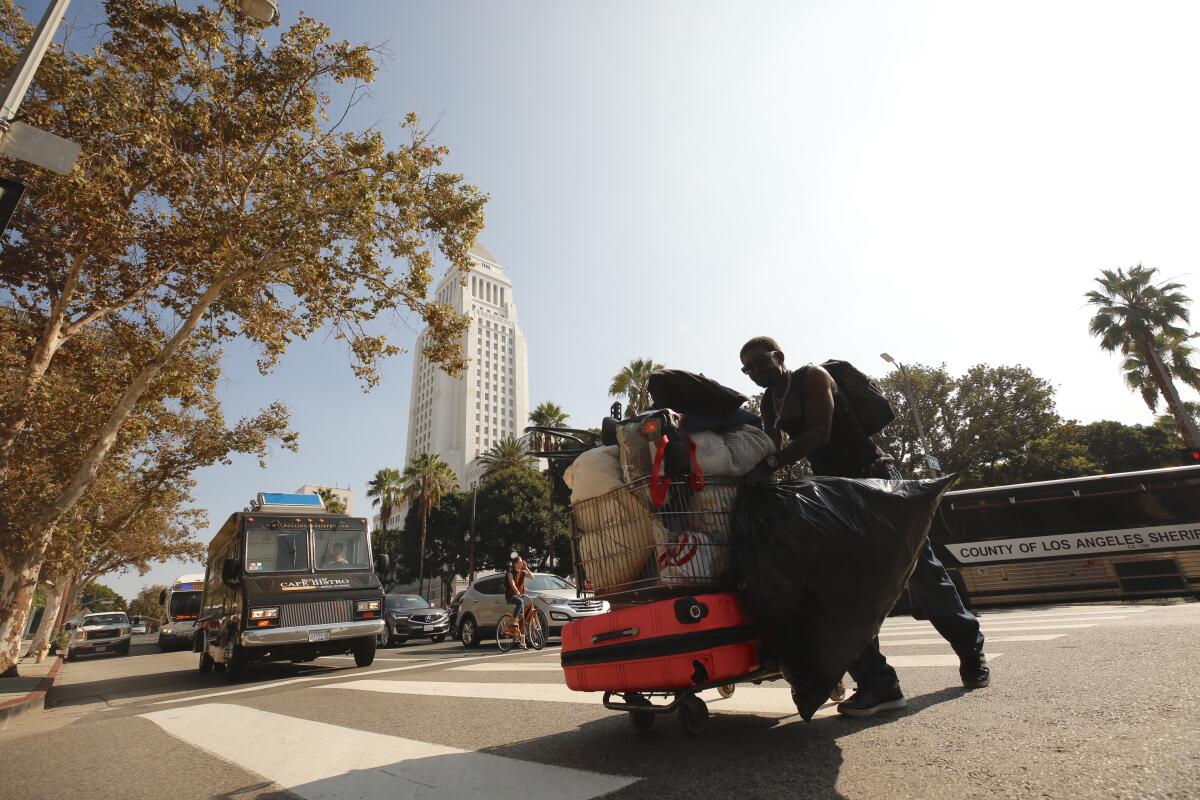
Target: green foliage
{"points": [[443, 538], [1144, 321], [505, 454], [632, 383], [333, 503], [146, 606], [546, 415], [1116, 447], [386, 491], [98, 597], [514, 511]]}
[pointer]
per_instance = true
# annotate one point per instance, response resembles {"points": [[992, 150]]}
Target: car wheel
{"points": [[206, 663], [71, 655], [123, 650], [441, 637], [470, 632], [364, 651]]}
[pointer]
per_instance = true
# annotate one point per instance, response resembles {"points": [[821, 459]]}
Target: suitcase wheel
{"points": [[726, 690], [693, 714]]}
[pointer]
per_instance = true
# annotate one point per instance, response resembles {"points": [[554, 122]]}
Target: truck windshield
{"points": [[344, 549], [276, 551], [185, 605], [105, 619]]}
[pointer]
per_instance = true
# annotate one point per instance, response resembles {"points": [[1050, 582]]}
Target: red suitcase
{"points": [[667, 645]]}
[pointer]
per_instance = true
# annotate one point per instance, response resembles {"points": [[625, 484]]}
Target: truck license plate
{"points": [[318, 636], [100, 648]]}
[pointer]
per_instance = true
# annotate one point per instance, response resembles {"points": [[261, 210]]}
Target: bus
{"points": [[1102, 537], [181, 607], [286, 580]]}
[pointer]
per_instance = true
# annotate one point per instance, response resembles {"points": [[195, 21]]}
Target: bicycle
{"points": [[529, 627]]}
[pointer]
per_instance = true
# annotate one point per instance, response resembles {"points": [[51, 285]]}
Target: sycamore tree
{"points": [[146, 606], [220, 196]]}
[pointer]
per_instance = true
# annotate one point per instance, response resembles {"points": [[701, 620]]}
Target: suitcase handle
{"points": [[609, 636]]}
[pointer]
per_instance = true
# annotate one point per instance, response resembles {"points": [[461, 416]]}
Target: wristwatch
{"points": [[772, 461]]}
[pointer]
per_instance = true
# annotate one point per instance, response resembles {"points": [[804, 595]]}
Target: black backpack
{"points": [[870, 407], [691, 393]]}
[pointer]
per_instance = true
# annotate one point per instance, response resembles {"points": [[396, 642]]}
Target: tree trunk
{"points": [[1166, 387], [55, 594], [20, 576]]}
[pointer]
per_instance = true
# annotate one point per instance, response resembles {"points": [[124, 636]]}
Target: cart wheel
{"points": [[643, 721], [839, 692], [726, 690], [693, 714]]}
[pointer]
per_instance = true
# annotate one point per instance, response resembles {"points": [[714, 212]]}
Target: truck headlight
{"points": [[366, 605], [264, 613]]}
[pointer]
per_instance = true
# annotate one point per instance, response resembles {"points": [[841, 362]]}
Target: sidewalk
{"points": [[28, 692]]}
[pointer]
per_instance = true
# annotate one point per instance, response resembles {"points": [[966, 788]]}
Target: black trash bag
{"points": [[821, 562]]}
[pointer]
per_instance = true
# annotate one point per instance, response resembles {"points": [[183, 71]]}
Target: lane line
{"points": [[1034, 638], [319, 761], [938, 660], [985, 620], [746, 699], [290, 681], [555, 667]]}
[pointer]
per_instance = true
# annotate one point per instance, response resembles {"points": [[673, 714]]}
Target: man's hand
{"points": [[762, 474]]}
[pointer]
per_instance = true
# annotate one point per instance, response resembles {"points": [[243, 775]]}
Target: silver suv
{"points": [[101, 633], [555, 599]]}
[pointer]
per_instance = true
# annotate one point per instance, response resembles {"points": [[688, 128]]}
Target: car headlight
{"points": [[366, 605]]}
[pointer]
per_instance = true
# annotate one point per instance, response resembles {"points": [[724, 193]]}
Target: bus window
{"points": [[276, 551]]}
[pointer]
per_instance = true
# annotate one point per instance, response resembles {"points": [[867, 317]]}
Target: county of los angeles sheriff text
{"points": [[1082, 544]]}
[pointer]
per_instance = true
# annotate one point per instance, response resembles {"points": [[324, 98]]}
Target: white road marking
{"points": [[1013, 620], [554, 667], [938, 660], [746, 699], [319, 761], [1035, 638], [884, 634], [324, 677]]}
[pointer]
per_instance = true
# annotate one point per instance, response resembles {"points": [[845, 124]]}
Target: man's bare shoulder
{"points": [[817, 378]]}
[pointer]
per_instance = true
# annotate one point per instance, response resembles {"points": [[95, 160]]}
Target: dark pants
{"points": [[933, 590]]}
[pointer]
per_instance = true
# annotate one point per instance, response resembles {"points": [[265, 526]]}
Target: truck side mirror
{"points": [[230, 571], [383, 562], [162, 597]]}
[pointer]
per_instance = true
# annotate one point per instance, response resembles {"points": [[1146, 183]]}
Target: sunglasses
{"points": [[759, 361]]}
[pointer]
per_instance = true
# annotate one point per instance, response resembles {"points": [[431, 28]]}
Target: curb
{"points": [[35, 700]]}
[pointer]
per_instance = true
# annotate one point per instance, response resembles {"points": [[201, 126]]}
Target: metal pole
{"points": [[908, 392], [22, 75]]}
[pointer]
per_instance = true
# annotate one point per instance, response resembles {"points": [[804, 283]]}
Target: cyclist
{"points": [[514, 590]]}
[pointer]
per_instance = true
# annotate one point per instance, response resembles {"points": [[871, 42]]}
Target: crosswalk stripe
{"points": [[1033, 638], [936, 660], [323, 677], [1015, 620], [746, 699], [319, 761], [549, 667], [883, 634]]}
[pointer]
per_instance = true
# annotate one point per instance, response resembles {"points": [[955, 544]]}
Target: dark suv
{"points": [[409, 616]]}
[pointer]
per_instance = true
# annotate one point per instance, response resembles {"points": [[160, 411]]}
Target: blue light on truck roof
{"points": [[289, 499]]}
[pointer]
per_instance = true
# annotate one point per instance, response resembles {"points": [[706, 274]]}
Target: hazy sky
{"points": [[667, 179]]}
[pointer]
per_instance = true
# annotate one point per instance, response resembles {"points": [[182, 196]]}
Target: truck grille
{"points": [[108, 633], [320, 612]]}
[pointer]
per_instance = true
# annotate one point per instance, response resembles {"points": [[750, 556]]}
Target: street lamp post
{"points": [[471, 539], [930, 460]]}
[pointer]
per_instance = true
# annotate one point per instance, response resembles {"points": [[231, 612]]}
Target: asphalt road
{"points": [[1091, 701]]}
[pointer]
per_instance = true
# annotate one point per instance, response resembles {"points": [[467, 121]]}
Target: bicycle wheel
{"points": [[535, 634], [505, 638]]}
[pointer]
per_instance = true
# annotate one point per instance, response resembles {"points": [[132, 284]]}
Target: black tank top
{"points": [[849, 452]]}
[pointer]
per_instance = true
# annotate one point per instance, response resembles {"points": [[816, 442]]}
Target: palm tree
{"points": [[333, 503], [1138, 317], [632, 382], [546, 415], [387, 492], [426, 481], [508, 452]]}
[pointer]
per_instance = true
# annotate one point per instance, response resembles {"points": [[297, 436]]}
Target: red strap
{"points": [[659, 484], [697, 473]]}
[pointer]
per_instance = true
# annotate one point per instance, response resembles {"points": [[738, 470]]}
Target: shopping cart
{"points": [[633, 552]]}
